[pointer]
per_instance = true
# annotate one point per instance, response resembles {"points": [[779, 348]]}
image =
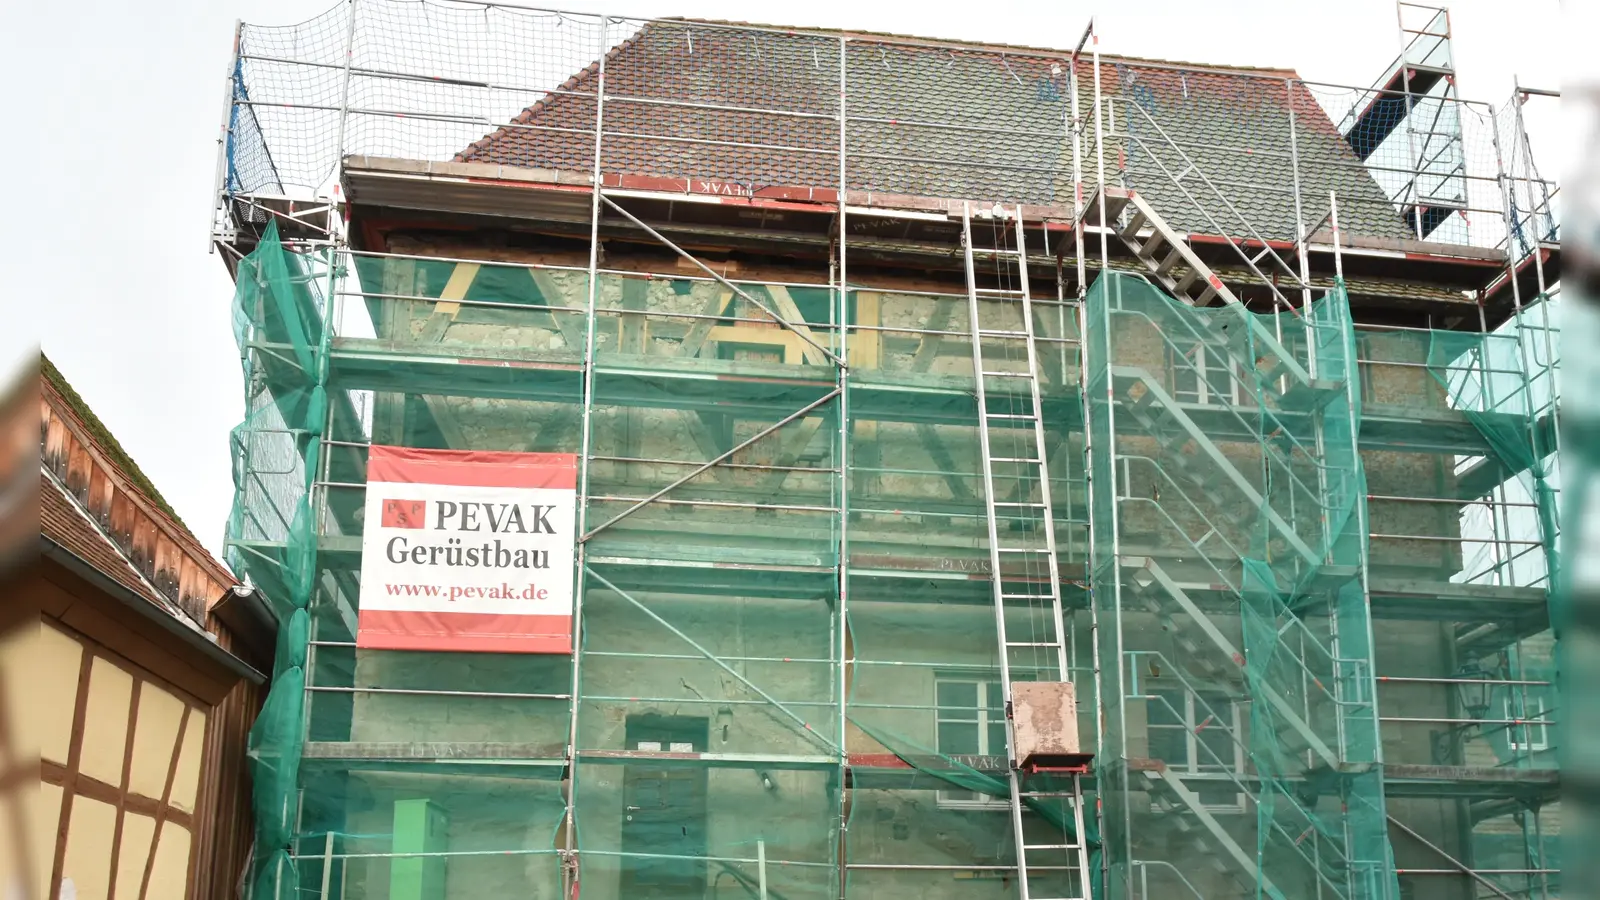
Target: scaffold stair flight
{"points": [[1253, 549], [1024, 571], [1171, 263], [1198, 476]]}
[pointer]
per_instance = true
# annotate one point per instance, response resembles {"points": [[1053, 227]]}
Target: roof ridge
{"points": [[959, 43], [118, 458]]}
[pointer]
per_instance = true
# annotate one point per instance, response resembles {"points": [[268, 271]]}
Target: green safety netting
{"points": [[710, 693], [279, 326], [1502, 385], [1576, 613], [1230, 548], [1489, 379], [927, 739], [1222, 453]]}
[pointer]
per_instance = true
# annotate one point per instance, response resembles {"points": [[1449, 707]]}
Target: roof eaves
{"points": [[199, 640], [88, 529]]}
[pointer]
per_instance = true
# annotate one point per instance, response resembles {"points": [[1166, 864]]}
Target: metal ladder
{"points": [[1013, 592]]}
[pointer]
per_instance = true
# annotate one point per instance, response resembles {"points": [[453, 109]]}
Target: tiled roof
{"points": [[1009, 146], [119, 506], [63, 522], [103, 437]]}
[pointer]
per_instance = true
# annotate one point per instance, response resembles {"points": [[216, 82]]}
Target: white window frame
{"points": [[955, 798], [1193, 765], [1205, 362], [1535, 724]]}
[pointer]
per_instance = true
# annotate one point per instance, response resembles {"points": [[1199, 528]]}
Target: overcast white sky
{"points": [[112, 112]]}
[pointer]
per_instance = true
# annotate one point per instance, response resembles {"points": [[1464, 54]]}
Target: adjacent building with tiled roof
{"points": [[148, 671]]}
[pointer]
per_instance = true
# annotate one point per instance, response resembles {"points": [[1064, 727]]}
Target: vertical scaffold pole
{"points": [[569, 869], [225, 140], [344, 97], [842, 372], [1411, 138], [1509, 211], [1529, 176], [1301, 237], [1120, 753], [1081, 271], [315, 476], [1333, 226], [1100, 155]]}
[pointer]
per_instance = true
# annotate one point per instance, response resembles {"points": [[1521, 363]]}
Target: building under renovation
{"points": [[907, 380]]}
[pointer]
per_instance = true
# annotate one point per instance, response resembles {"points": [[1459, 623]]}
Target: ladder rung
{"points": [[1170, 261], [990, 332], [1014, 459], [1020, 550], [1147, 250], [1027, 597], [990, 415], [1019, 503], [1135, 222], [1009, 374], [1032, 644], [999, 292], [1038, 794], [1049, 846]]}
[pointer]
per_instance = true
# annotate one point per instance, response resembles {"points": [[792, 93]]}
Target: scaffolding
{"points": [[1284, 514]]}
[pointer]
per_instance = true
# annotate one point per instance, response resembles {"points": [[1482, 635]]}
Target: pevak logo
{"points": [[405, 513]]}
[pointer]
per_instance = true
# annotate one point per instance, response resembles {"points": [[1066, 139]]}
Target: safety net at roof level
{"points": [[397, 774]]}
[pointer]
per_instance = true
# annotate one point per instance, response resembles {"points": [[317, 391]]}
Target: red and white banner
{"points": [[464, 550]]}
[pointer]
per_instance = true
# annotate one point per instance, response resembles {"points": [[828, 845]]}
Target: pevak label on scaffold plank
{"points": [[467, 551]]}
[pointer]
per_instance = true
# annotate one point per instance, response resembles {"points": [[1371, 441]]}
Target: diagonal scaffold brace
{"points": [[742, 294], [805, 726], [728, 454]]}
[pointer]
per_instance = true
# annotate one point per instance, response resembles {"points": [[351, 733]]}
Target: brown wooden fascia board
{"points": [[124, 485]]}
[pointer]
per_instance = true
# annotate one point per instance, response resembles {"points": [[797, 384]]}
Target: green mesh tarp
{"points": [[720, 687], [749, 706], [270, 535], [788, 672], [1229, 503]]}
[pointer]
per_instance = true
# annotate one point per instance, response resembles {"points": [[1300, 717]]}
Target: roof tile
{"points": [[951, 121]]}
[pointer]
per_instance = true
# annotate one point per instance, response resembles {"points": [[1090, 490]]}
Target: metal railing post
{"points": [[842, 374], [224, 169], [570, 868], [344, 98]]}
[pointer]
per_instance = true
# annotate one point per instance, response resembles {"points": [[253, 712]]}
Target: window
{"points": [[971, 721], [1196, 733], [1533, 736], [1206, 375]]}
